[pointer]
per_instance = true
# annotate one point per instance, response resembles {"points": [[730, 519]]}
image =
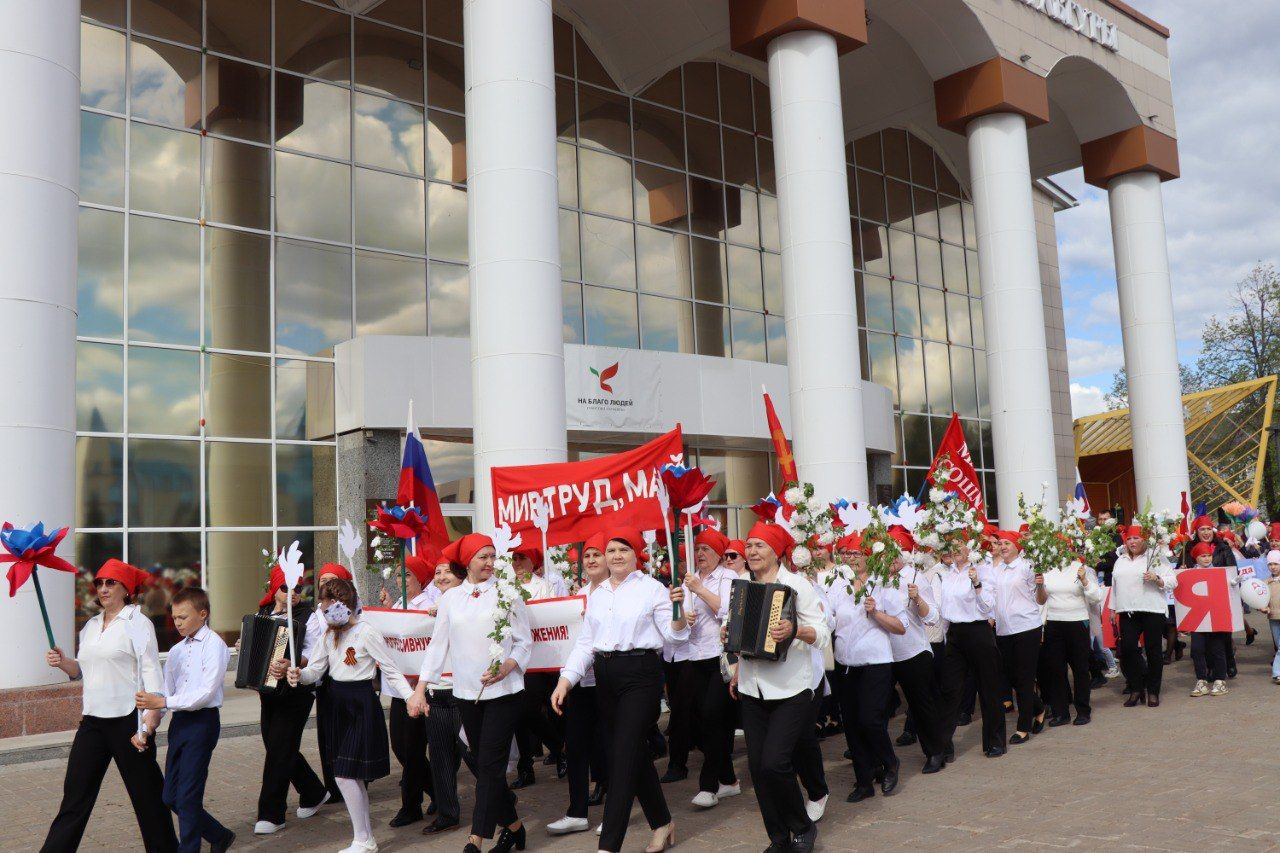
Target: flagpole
{"points": [[44, 611]]}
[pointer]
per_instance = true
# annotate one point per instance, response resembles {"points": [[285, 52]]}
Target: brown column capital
{"points": [[1138, 149], [994, 86], [755, 23]]}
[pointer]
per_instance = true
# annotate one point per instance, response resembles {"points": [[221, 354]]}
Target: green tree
{"points": [[1118, 395]]}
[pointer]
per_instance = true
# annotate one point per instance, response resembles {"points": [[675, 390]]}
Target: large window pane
{"points": [[770, 236], [917, 449], [879, 303], [313, 197], [388, 134], [748, 335], [664, 262], [164, 483], [776, 331], [953, 273], [606, 183], [390, 212], [164, 281], [746, 288], [447, 147], [659, 135], [237, 290], [238, 99], [666, 324], [712, 324], [99, 482], [447, 222], [939, 376], [929, 261], [306, 494], [449, 301], [164, 391], [101, 159], [743, 213], [883, 361], [237, 183], [906, 308], [101, 68], [958, 319], [164, 171], [313, 297], [704, 148], [710, 274], [304, 399], [174, 560], [165, 84], [567, 174], [902, 255], [570, 249], [604, 120], [911, 375], [700, 89], [238, 475], [402, 13], [235, 575], [391, 295], [963, 382], [571, 309], [735, 98], [452, 467], [238, 396], [313, 41], [99, 387], [772, 265], [608, 253], [706, 208], [610, 317], [933, 314], [322, 125], [100, 274], [389, 61], [445, 75], [979, 328], [239, 27], [661, 198], [176, 20]]}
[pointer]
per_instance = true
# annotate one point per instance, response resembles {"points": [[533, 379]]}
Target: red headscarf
{"points": [[421, 568], [774, 535], [903, 537], [1133, 531], [713, 539], [1273, 532], [849, 542], [737, 546], [274, 584], [1201, 521], [130, 577], [462, 550], [337, 570], [596, 542], [1010, 536], [1202, 549], [534, 553], [629, 535]]}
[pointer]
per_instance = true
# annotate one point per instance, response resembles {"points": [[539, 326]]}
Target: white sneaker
{"points": [[305, 812], [1114, 672], [816, 809], [1219, 689], [599, 828], [369, 846], [566, 825], [737, 733], [1201, 689], [706, 800], [266, 827], [729, 790]]}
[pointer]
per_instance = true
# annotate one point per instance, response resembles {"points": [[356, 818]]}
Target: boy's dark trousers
{"points": [[192, 737]]}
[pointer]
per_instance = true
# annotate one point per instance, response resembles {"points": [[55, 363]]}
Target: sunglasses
{"points": [[99, 583], [732, 555]]}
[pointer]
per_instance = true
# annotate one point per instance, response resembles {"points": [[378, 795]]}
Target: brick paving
{"points": [[1194, 774]]}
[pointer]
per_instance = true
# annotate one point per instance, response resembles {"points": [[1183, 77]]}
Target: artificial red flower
{"points": [[400, 522], [687, 487], [29, 548]]}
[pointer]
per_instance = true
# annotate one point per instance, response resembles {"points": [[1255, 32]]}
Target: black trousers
{"points": [[98, 742], [971, 647], [326, 760], [628, 690], [1020, 654], [1149, 627], [682, 703], [1067, 644], [700, 715], [866, 710], [490, 724], [918, 678], [282, 718], [193, 735], [409, 743], [1209, 654], [808, 757], [585, 736], [836, 679], [773, 728], [538, 724], [445, 751]]}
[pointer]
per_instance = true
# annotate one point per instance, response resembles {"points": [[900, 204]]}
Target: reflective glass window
{"points": [[446, 147], [313, 197], [237, 396], [666, 324], [101, 159], [304, 399], [447, 222], [237, 290], [100, 274], [445, 75], [389, 61], [748, 335], [164, 281], [610, 317], [390, 212], [164, 483], [306, 486], [238, 484], [389, 134], [606, 183], [237, 183], [448, 300], [313, 117], [100, 482], [711, 323], [99, 387], [313, 41], [164, 391], [391, 295], [313, 297], [663, 263], [608, 252], [164, 171], [102, 65], [165, 83], [239, 27]]}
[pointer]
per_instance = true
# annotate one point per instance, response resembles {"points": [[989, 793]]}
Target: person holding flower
{"points": [[488, 678], [1139, 583], [1019, 593], [966, 603], [1071, 590], [627, 620]]}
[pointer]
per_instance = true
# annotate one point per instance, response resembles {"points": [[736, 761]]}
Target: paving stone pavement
{"points": [[1194, 774]]}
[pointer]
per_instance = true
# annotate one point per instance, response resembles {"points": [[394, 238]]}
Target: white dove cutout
{"points": [[540, 514], [649, 537], [780, 519], [1075, 509], [855, 517], [663, 496], [349, 541], [503, 542], [908, 513], [290, 561]]}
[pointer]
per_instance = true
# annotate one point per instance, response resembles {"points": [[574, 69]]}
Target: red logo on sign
{"points": [[605, 375]]}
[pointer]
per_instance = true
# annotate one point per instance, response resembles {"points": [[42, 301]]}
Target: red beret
{"points": [[903, 537], [463, 550], [1133, 531], [1202, 549], [130, 577], [534, 554], [421, 568], [1202, 521], [774, 535], [336, 569], [596, 543], [737, 546], [713, 539]]}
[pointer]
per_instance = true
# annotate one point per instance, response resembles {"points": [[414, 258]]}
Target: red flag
{"points": [[786, 462], [1184, 522], [964, 479]]}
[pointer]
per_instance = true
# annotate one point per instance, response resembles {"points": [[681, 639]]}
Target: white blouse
{"points": [[916, 639], [1068, 600], [1016, 608], [1131, 594], [859, 639], [783, 679], [704, 634], [465, 616], [356, 657], [118, 662], [636, 614], [959, 601]]}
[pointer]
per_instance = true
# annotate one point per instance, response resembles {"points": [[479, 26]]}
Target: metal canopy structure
{"points": [[1227, 430]]}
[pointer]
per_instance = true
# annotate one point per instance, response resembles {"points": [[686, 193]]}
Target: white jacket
{"points": [[1131, 594]]}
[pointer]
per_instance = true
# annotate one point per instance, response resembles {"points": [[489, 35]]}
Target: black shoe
{"points": [[508, 839], [949, 755], [1135, 699], [1081, 720], [860, 794], [674, 774], [964, 719], [1054, 722], [934, 764], [470, 848], [1231, 672], [657, 746], [1249, 637], [906, 739], [889, 782], [404, 817], [878, 776], [439, 825], [995, 752], [1097, 683], [524, 778], [550, 760], [597, 795], [775, 847], [848, 754], [221, 846], [1019, 737], [562, 768], [1037, 726], [431, 808], [803, 843]]}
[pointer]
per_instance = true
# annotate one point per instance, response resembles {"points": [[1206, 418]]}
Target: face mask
{"points": [[338, 614]]}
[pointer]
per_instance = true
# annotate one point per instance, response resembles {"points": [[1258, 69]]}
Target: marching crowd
{"points": [[950, 630]]}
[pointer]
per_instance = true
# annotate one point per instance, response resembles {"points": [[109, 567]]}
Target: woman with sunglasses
{"points": [[118, 657]]}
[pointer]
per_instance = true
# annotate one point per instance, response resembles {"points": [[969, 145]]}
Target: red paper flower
{"points": [[687, 487], [767, 509], [400, 523], [30, 548]]}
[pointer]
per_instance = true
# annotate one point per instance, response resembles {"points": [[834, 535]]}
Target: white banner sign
{"points": [[607, 388], [554, 622]]}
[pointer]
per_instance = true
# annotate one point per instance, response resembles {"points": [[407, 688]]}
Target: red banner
{"points": [[586, 497], [781, 449], [964, 481]]}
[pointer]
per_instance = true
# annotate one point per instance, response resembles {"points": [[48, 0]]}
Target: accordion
{"points": [[754, 609], [263, 641]]}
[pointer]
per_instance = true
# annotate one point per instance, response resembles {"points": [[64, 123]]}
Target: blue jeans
{"points": [[192, 737], [1275, 638]]}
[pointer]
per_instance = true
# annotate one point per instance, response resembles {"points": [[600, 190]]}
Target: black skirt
{"points": [[355, 731]]}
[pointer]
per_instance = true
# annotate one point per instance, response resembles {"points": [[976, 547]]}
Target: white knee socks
{"points": [[356, 796]]}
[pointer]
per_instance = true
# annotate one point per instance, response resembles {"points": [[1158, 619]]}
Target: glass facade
{"points": [[263, 179]]}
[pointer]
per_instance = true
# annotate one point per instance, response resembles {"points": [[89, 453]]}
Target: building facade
{"points": [[294, 216]]}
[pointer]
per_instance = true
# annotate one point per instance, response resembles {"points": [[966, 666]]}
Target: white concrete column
{"points": [[39, 184], [517, 347], [817, 265], [1150, 344], [1013, 313]]}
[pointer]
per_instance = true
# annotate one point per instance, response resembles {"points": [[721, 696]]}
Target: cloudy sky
{"points": [[1222, 214]]}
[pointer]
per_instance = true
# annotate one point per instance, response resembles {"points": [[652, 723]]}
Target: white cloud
{"points": [[1086, 400], [1087, 357]]}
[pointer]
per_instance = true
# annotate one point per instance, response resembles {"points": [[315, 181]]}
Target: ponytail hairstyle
{"points": [[343, 591]]}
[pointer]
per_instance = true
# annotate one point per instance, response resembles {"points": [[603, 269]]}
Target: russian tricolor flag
{"points": [[417, 488]]}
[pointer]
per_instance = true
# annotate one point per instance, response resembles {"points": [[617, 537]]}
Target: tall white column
{"points": [[1013, 313], [517, 348], [1150, 344], [39, 184], [823, 363]]}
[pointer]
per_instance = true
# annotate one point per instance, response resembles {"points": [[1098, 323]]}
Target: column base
{"points": [[39, 710]]}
